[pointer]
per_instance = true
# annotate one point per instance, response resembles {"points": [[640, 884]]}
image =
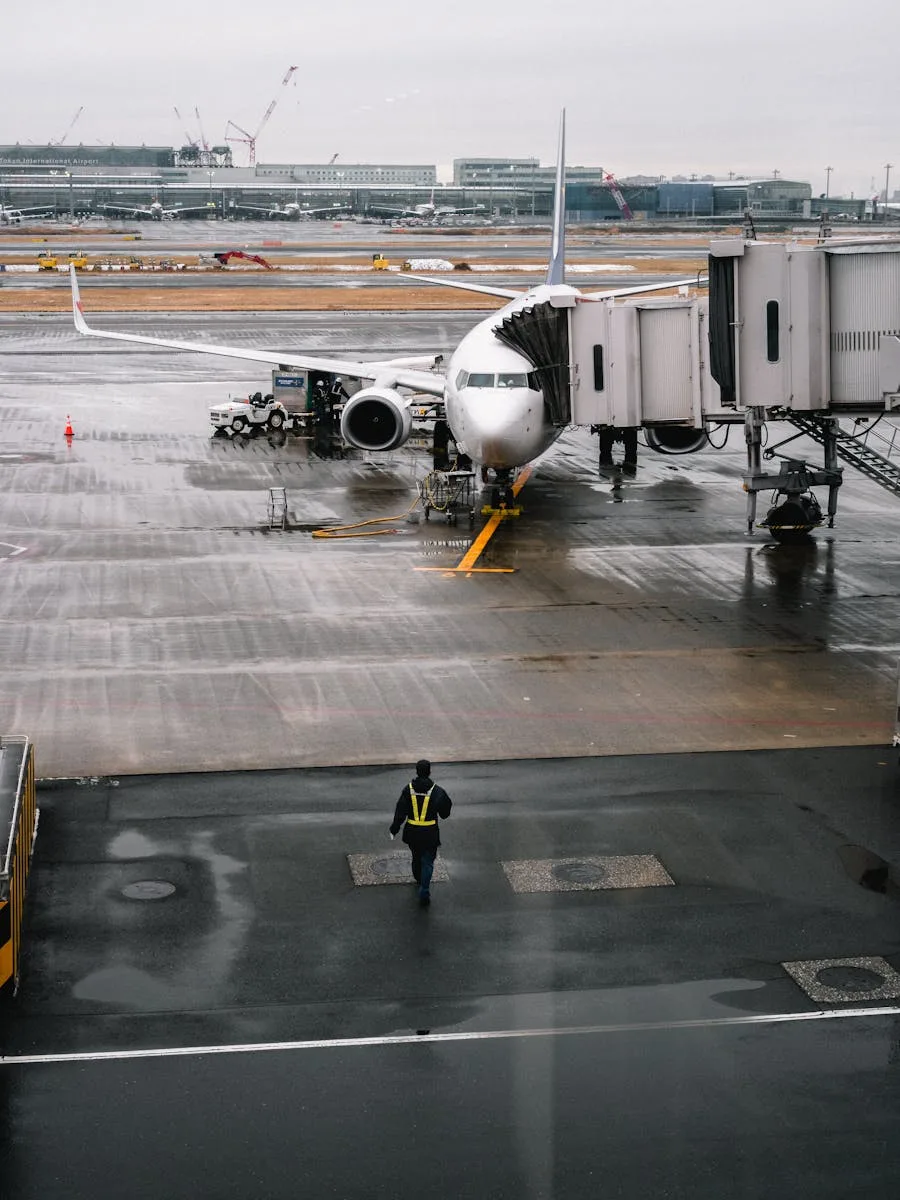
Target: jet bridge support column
{"points": [[830, 429], [754, 423]]}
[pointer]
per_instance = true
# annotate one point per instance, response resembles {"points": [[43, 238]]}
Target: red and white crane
{"points": [[250, 138], [613, 184]]}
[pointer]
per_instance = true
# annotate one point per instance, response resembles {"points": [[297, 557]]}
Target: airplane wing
{"points": [[505, 293], [260, 208], [400, 374], [329, 208], [694, 281], [509, 294], [186, 208], [130, 209]]}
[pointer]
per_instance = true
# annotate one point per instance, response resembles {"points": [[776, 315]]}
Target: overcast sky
{"points": [[652, 87]]}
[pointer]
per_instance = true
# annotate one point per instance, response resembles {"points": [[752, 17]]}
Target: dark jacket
{"points": [[424, 836]]}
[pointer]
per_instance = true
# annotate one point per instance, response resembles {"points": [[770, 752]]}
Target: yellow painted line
{"points": [[475, 551], [472, 571]]}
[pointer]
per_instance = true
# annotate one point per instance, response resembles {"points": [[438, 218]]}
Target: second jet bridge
{"points": [[808, 329]]}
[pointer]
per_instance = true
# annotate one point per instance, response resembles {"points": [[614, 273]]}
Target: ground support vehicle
{"points": [[254, 412]]}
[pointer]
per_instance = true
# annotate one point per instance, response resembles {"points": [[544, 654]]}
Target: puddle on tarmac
{"points": [[867, 869]]}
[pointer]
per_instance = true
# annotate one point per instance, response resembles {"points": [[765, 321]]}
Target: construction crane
{"points": [[613, 184], [203, 141], [70, 127], [250, 138], [333, 160], [188, 140]]}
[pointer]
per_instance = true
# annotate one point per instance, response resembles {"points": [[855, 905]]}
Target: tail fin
{"points": [[556, 271]]}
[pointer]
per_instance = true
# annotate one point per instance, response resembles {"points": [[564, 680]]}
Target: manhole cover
{"points": [[850, 979], [388, 866], [578, 872], [148, 889]]}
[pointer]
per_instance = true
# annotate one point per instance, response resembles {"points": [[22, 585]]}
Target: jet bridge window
{"points": [[598, 368], [772, 347]]}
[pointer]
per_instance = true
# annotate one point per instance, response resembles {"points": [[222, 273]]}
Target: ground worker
{"points": [[422, 803]]}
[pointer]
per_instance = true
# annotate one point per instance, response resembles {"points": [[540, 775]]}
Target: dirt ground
{"points": [[244, 299]]}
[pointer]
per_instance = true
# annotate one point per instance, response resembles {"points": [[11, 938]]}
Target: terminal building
{"points": [[80, 180]]}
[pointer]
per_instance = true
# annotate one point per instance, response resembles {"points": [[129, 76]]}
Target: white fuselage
{"points": [[495, 411]]}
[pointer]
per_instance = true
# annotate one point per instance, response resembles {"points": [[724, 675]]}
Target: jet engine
{"points": [[376, 418], [675, 439]]}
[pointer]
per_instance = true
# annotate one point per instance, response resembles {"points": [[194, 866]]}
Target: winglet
{"points": [[556, 271], [77, 308]]}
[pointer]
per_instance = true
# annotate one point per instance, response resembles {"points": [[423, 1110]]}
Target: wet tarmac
{"points": [[518, 280], [150, 616], [649, 682], [203, 982]]}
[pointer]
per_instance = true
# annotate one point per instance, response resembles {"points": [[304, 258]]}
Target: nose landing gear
{"points": [[502, 497]]}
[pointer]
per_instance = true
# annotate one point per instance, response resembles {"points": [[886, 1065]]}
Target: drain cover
{"points": [[148, 889], [390, 867], [579, 872], [846, 980], [850, 979]]}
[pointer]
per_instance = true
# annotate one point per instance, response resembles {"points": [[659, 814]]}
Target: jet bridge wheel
{"points": [[794, 519]]}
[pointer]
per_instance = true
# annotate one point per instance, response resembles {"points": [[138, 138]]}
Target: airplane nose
{"points": [[503, 429]]}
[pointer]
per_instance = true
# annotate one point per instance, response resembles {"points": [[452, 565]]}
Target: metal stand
{"points": [[450, 493], [277, 508]]}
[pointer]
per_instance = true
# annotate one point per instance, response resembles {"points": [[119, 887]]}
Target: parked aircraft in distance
{"points": [[15, 216], [292, 211], [429, 211], [501, 386], [156, 210]]}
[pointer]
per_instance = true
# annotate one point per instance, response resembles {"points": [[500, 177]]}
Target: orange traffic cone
{"points": [[69, 432]]}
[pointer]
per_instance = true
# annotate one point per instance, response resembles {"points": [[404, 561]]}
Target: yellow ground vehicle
{"points": [[379, 262], [46, 260], [78, 259]]}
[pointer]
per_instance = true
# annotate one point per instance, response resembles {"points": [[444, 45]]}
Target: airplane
{"points": [[15, 216], [429, 211], [292, 211], [154, 211], [502, 405]]}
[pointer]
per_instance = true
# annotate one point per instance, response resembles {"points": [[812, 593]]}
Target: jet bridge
{"points": [[806, 333], [801, 333]]}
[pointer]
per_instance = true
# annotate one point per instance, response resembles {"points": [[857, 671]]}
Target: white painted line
{"points": [[407, 1039]]}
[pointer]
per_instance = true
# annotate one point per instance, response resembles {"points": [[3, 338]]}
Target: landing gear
{"points": [[502, 497]]}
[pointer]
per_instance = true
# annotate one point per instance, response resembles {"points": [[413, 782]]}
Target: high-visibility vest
{"points": [[419, 815]]}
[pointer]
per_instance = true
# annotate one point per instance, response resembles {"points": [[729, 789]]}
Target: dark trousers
{"points": [[423, 866]]}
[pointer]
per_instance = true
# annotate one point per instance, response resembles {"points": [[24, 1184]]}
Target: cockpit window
{"points": [[512, 379], [461, 379], [480, 379]]}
